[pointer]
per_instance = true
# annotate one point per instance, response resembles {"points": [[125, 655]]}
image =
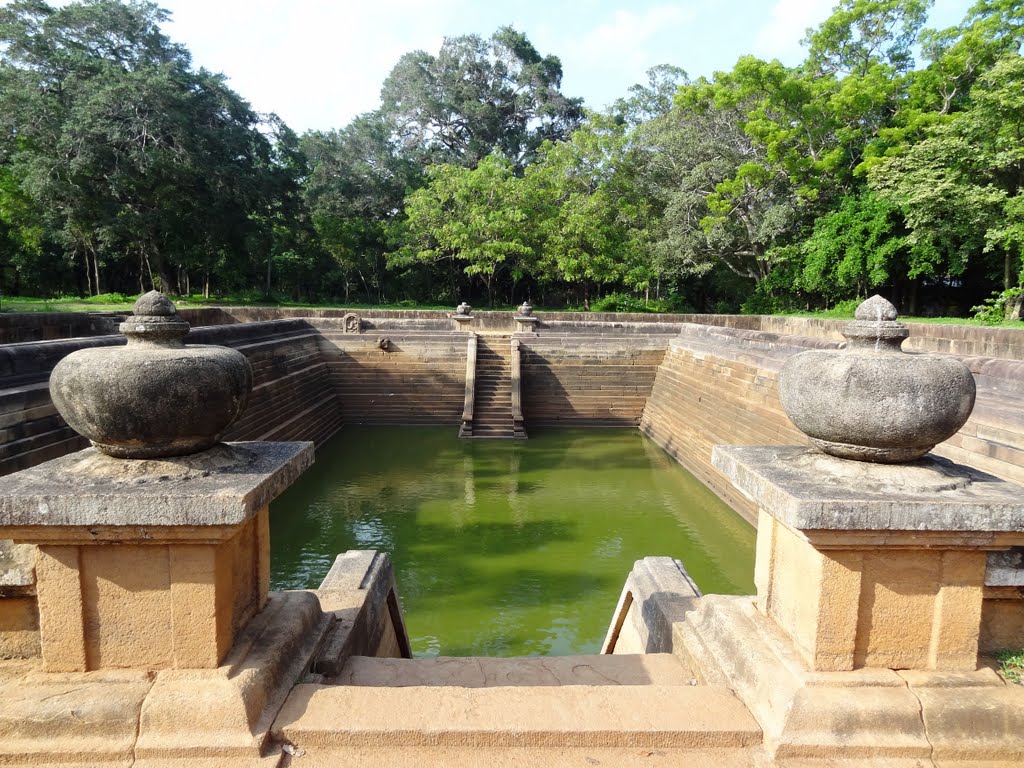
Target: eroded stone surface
{"points": [[810, 491], [652, 716], [16, 566], [870, 401], [223, 486], [1005, 569], [478, 672], [154, 396]]}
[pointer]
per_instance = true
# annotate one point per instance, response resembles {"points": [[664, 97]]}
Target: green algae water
{"points": [[502, 547]]}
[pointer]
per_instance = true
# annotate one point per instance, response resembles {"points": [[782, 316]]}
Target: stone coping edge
{"points": [[785, 486], [223, 486]]}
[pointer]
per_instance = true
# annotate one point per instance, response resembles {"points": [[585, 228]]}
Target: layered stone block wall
{"points": [[594, 381], [292, 398], [31, 430], [412, 378], [718, 386], [18, 328]]}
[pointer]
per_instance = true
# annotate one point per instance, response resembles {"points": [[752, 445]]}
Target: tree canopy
{"points": [[766, 187]]}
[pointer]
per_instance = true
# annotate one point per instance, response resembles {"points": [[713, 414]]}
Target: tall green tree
{"points": [[473, 219], [589, 219], [960, 189], [478, 96], [141, 164], [355, 190]]}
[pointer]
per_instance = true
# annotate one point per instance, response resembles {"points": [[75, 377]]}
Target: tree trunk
{"points": [[96, 270], [1007, 270], [149, 269], [168, 282], [270, 264], [88, 273]]}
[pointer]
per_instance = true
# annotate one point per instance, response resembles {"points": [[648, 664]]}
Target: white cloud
{"points": [[780, 37]]}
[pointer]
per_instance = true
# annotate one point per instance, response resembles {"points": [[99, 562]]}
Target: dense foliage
{"points": [[766, 187]]}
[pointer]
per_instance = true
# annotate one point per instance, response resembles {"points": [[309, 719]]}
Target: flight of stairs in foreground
{"points": [[612, 710]]}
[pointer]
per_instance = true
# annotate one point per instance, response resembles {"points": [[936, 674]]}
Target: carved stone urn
{"points": [[153, 397], [871, 401]]}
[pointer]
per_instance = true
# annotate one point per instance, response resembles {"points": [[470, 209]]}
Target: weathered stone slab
{"points": [[650, 716], [807, 490], [225, 485], [482, 672], [361, 593], [657, 594]]}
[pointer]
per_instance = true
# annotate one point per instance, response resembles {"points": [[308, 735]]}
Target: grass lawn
{"points": [[118, 303]]}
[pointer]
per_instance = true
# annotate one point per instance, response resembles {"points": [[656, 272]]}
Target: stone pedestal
{"points": [[526, 323], [463, 322], [149, 564], [865, 565]]}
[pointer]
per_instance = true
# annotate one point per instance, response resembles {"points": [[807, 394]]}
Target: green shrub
{"points": [[763, 302], [110, 298], [994, 309], [1011, 665], [624, 302], [845, 308]]}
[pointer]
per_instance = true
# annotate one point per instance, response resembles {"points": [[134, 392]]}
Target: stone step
{"points": [[489, 672], [596, 716], [316, 756]]}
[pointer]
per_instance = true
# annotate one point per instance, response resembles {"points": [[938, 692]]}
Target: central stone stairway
{"points": [[492, 409], [614, 710]]}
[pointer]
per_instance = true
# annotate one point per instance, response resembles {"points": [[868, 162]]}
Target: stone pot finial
{"points": [[870, 401], [463, 309], [153, 397], [525, 309], [155, 320]]}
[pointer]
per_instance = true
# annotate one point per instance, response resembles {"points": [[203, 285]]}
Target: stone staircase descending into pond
{"points": [[614, 710], [493, 407]]}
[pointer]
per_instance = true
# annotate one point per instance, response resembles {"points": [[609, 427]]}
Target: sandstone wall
{"points": [[292, 398], [22, 327], [970, 340], [573, 380], [718, 385], [418, 379]]}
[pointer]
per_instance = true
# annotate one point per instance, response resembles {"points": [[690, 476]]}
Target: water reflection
{"points": [[506, 547]]}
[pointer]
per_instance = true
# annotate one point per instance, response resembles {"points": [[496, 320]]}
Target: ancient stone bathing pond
{"points": [[506, 548]]}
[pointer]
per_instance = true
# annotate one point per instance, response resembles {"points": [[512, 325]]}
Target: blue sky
{"points": [[318, 63]]}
